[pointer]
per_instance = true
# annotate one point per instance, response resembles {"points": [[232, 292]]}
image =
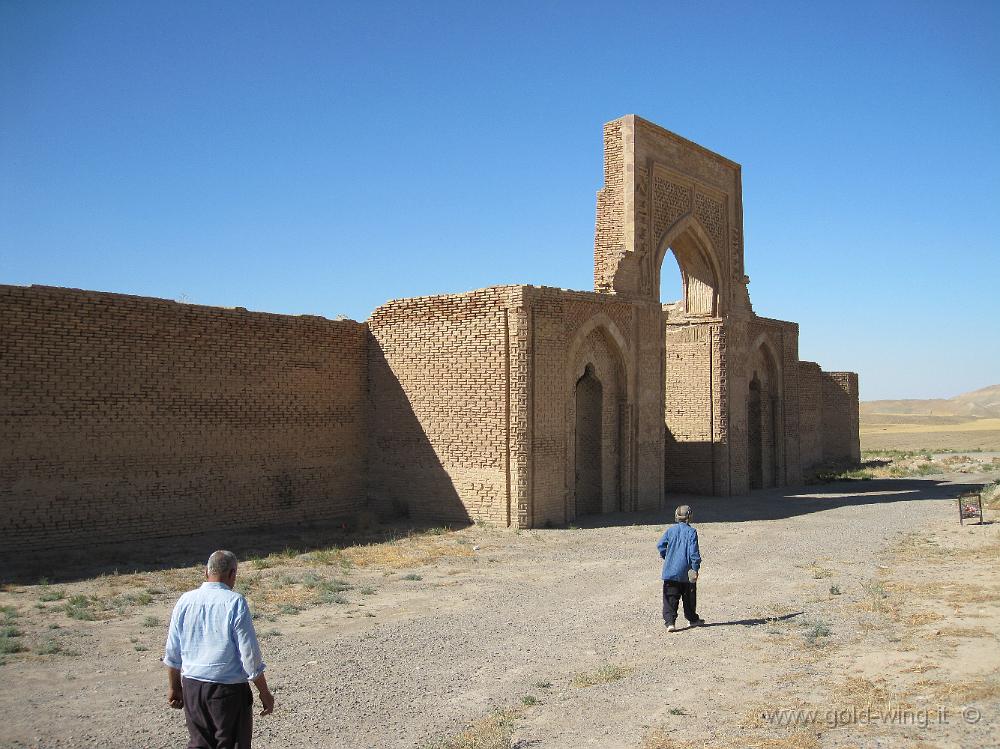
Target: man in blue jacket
{"points": [[681, 561]]}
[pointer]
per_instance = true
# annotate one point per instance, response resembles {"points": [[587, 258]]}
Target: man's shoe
{"points": [[696, 623], [671, 628]]}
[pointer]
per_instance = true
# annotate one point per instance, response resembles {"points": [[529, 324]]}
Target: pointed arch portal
{"points": [[691, 249]]}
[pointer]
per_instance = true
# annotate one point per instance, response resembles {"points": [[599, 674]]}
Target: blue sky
{"points": [[325, 157]]}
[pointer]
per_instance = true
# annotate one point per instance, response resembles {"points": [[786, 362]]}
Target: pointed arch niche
{"points": [[694, 258], [598, 415], [765, 456]]}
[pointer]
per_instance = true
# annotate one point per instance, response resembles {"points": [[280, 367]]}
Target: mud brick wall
{"points": [[691, 406], [440, 389], [810, 414], [791, 405], [609, 234], [841, 438], [550, 455], [647, 413], [125, 418]]}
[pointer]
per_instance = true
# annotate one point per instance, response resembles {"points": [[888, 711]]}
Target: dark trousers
{"points": [[219, 716], [687, 592]]}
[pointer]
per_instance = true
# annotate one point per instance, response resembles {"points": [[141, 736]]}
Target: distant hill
{"points": [[979, 404]]}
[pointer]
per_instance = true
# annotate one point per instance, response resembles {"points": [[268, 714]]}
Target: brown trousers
{"points": [[218, 716]]}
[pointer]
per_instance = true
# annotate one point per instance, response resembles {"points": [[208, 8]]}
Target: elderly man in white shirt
{"points": [[211, 654]]}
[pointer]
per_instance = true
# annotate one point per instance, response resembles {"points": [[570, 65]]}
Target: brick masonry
{"points": [[126, 417], [441, 396], [840, 417]]}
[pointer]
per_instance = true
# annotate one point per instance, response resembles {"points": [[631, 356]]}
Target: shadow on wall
{"points": [[406, 478], [688, 466], [786, 502]]}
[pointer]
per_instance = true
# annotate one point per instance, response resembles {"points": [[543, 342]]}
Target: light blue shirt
{"points": [[211, 637]]}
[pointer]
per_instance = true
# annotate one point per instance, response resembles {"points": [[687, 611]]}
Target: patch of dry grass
{"points": [[756, 718], [949, 592], [411, 551], [915, 427], [493, 731], [818, 573], [921, 618], [964, 632], [283, 581], [877, 599], [991, 495], [868, 695], [920, 668], [977, 689], [658, 738], [606, 674], [916, 547], [798, 740], [881, 464]]}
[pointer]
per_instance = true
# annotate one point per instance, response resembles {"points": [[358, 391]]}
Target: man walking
{"points": [[211, 653], [681, 561]]}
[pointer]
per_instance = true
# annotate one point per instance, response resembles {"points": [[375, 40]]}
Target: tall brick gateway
{"points": [[125, 417]]}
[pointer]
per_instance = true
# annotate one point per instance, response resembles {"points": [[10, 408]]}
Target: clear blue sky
{"points": [[325, 157]]}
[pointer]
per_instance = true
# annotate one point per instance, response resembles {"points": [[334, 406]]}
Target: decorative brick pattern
{"points": [[671, 201], [691, 406], [439, 389], [568, 332], [712, 215], [644, 250], [125, 418]]}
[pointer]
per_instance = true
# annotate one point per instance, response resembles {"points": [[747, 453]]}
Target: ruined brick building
{"points": [[125, 417]]}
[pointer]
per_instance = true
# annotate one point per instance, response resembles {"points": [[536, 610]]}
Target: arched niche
{"points": [[597, 419], [695, 259], [765, 433]]}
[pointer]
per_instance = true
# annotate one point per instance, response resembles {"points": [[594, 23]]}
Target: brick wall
{"points": [[691, 406], [125, 418], [440, 373], [810, 414], [550, 456], [774, 353], [609, 236], [648, 409], [568, 330], [841, 439]]}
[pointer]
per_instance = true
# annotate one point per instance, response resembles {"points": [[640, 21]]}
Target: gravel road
{"points": [[421, 658]]}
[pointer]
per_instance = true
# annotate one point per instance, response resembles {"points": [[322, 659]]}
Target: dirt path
{"points": [[816, 598]]}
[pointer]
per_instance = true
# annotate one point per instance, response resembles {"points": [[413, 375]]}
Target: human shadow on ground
{"points": [[753, 622], [787, 502]]}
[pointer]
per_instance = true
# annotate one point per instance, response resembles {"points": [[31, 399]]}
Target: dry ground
{"points": [[864, 601], [915, 433]]}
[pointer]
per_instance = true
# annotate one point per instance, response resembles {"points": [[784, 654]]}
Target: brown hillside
{"points": [[978, 404]]}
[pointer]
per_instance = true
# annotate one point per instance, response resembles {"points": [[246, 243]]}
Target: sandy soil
{"points": [[853, 598], [978, 434]]}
